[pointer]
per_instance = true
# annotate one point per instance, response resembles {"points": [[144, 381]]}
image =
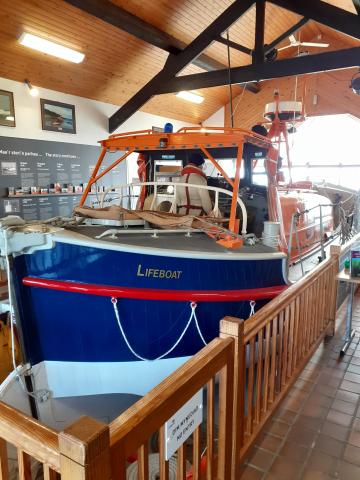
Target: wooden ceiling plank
{"points": [[326, 14], [120, 18]]}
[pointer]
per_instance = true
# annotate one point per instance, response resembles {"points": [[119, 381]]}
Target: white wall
{"points": [[91, 117], [217, 119]]}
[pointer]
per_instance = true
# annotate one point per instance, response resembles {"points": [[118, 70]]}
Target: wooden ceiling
{"points": [[117, 64]]}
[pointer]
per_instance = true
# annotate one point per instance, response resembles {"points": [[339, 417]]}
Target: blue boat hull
{"points": [[71, 327]]}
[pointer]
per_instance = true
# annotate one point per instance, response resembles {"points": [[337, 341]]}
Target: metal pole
{"points": [[322, 235], [290, 238], [299, 251]]}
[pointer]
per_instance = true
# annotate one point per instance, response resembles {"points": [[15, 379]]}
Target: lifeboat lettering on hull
{"points": [[158, 273]]}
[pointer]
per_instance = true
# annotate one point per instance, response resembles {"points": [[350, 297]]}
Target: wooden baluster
{"points": [[24, 464], [50, 474], [322, 295], [85, 451], [266, 367], [164, 464], [250, 388], [311, 314], [234, 328], [298, 315], [291, 340], [259, 374], [302, 325], [226, 400], [4, 467], [286, 340], [308, 319], [210, 431], [181, 462], [273, 358], [196, 453], [317, 308], [296, 332], [143, 462], [281, 348]]}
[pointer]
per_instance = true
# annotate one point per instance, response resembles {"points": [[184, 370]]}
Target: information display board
{"points": [[26, 164]]}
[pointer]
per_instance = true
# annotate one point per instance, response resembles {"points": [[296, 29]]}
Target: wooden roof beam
{"points": [[118, 17], [320, 62], [325, 14], [176, 63], [286, 34]]}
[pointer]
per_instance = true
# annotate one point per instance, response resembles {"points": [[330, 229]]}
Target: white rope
{"points": [[252, 308], [154, 468], [193, 306]]}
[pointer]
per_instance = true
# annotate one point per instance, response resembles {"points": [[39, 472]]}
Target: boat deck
{"points": [[174, 240]]}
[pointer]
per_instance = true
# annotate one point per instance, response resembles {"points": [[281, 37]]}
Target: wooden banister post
{"points": [[85, 451], [234, 328], [335, 252]]}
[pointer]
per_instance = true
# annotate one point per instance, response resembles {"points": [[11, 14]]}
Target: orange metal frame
{"points": [[186, 138]]}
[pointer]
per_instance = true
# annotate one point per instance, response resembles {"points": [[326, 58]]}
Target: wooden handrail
{"points": [[273, 308], [30, 436], [140, 421]]}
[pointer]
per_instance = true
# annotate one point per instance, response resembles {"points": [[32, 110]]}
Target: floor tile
{"points": [[316, 398], [354, 368], [302, 436], [322, 462], [339, 418], [352, 454], [250, 473], [261, 459], [344, 407], [352, 377], [311, 474], [336, 431], [350, 386], [312, 423], [277, 428], [328, 445], [285, 415], [354, 439], [284, 469], [346, 396], [269, 442], [294, 451], [348, 471]]}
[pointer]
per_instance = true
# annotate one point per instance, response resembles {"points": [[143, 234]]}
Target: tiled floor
{"points": [[315, 433]]}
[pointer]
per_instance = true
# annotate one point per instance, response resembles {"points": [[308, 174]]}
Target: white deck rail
{"points": [[130, 194]]}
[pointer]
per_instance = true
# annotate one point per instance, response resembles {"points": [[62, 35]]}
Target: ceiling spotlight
{"points": [[51, 48], [190, 97], [355, 83], [34, 92]]}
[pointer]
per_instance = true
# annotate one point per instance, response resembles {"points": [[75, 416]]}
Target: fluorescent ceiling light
{"points": [[190, 97], [51, 48]]}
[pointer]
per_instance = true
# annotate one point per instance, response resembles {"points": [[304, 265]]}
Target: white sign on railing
{"points": [[183, 423]]}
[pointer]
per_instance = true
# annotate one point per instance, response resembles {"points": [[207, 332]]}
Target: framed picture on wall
{"points": [[7, 110], [57, 116]]}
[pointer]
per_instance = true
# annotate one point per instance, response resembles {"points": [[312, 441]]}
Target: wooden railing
{"points": [[131, 432], [245, 374], [273, 346], [79, 452]]}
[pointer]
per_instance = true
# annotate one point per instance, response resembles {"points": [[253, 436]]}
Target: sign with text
{"points": [[181, 425], [27, 163]]}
